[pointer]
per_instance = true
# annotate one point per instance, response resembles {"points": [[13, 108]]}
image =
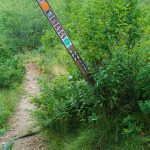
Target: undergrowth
{"points": [[8, 102], [115, 109], [113, 114]]}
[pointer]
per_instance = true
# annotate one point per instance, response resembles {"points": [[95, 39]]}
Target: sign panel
{"points": [[49, 13]]}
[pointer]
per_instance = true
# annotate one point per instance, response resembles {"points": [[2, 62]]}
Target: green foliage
{"points": [[84, 141], [143, 79], [114, 41], [64, 106], [102, 26], [113, 102], [49, 40], [4, 113], [16, 33], [21, 24], [12, 71]]}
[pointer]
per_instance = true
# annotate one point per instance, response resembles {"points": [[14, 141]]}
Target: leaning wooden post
{"points": [[51, 16]]}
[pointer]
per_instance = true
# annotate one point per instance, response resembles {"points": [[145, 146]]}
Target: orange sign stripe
{"points": [[45, 6]]}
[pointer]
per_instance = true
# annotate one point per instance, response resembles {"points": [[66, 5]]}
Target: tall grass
{"points": [[8, 102]]}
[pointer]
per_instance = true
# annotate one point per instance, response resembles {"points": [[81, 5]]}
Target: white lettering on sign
{"points": [[58, 27], [62, 34], [55, 23], [76, 57], [53, 20], [64, 38]]}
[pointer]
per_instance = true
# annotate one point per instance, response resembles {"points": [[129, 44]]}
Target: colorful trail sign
{"points": [[49, 13]]}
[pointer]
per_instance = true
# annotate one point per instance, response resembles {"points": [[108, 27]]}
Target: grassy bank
{"points": [[8, 102]]}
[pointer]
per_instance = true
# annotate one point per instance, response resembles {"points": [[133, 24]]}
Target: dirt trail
{"points": [[22, 122]]}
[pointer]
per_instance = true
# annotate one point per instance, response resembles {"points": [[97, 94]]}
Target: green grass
{"points": [[89, 139], [8, 103]]}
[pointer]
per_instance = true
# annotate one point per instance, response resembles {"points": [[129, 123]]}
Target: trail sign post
{"points": [[51, 16]]}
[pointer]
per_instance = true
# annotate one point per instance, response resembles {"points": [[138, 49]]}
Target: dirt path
{"points": [[22, 122]]}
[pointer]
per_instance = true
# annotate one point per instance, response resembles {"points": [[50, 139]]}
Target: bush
{"points": [[116, 103], [117, 107], [120, 98], [12, 72], [22, 25], [64, 106]]}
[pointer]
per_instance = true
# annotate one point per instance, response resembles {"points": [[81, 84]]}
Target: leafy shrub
{"points": [[65, 104], [117, 107], [102, 26], [117, 87], [12, 72], [49, 40], [112, 105], [142, 79], [22, 25]]}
